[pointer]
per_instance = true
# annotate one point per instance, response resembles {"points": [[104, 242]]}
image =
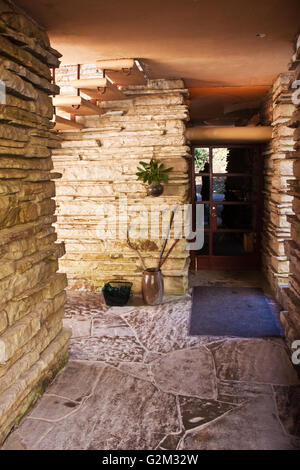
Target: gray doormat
{"points": [[232, 311]]}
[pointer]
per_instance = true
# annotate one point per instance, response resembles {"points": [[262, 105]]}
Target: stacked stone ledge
{"points": [[98, 166], [33, 344], [278, 158], [291, 319]]}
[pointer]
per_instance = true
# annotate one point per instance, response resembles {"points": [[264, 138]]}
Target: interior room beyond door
{"points": [[227, 181]]}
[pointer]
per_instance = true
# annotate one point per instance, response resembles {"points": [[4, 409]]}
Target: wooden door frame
{"points": [[223, 260]]}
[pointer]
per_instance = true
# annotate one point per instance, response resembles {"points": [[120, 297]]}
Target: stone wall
{"points": [[281, 233], [98, 166], [33, 345], [278, 161], [291, 318]]}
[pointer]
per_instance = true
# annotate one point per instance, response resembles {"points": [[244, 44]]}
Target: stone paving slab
{"points": [[251, 426], [109, 349], [76, 381], [254, 360], [137, 380], [137, 369], [54, 408], [80, 326], [28, 435], [121, 413], [170, 442], [238, 392], [288, 406], [196, 412], [85, 303], [179, 372], [164, 328], [111, 331]]}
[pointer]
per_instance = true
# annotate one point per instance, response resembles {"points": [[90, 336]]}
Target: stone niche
{"points": [[33, 344], [98, 166]]}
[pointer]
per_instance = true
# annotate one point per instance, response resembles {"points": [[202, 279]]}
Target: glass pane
{"points": [[205, 250], [201, 159], [206, 215], [219, 210], [234, 160], [202, 188], [233, 244], [234, 188], [198, 184], [220, 156], [236, 217], [218, 188]]}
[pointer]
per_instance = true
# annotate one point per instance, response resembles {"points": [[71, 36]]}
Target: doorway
{"points": [[228, 182]]}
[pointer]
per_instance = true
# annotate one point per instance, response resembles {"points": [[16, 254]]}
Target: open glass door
{"points": [[228, 182]]}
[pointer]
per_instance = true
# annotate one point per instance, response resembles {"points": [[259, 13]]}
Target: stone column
{"points": [[291, 318], [33, 344], [278, 157]]}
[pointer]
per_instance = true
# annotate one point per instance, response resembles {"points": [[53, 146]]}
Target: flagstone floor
{"points": [[137, 380]]}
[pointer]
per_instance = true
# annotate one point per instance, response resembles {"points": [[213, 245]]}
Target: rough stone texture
{"points": [[154, 403], [131, 334], [33, 345], [164, 328], [291, 320], [98, 166], [263, 431], [288, 405], [278, 158], [107, 349], [196, 412], [235, 392], [282, 223], [168, 371], [271, 364]]}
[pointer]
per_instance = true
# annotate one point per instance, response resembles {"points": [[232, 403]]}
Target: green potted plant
{"points": [[154, 174]]}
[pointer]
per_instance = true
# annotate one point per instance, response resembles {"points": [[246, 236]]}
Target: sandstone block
{"points": [[3, 321], [13, 401], [18, 335], [17, 85], [25, 58], [39, 82], [56, 284], [6, 268]]}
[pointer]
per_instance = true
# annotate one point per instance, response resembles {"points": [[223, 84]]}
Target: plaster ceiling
{"points": [[212, 104], [208, 44]]}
